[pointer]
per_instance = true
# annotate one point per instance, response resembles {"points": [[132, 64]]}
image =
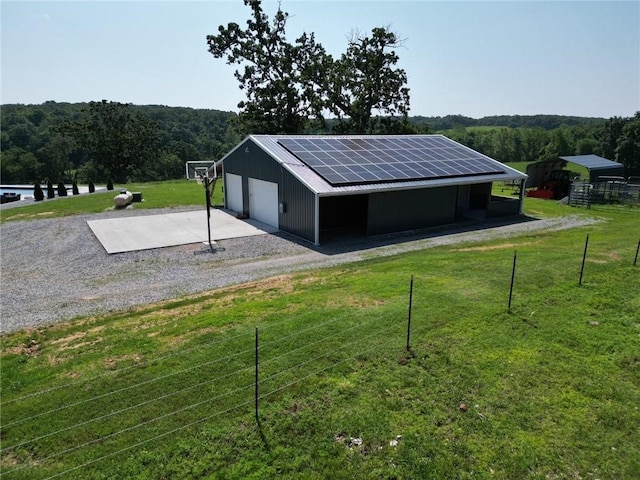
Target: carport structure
{"points": [[597, 166], [315, 185]]}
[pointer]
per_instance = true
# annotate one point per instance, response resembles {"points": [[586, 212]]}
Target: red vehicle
{"points": [[556, 186]]}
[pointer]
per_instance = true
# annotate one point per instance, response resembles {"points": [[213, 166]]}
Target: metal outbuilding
{"points": [[314, 185], [597, 167]]}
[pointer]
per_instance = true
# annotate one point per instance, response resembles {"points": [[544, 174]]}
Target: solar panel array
{"points": [[354, 161]]}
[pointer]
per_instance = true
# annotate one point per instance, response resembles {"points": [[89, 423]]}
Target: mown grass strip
{"points": [[174, 193]]}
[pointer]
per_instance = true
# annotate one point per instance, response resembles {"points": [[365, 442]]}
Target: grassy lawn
{"points": [[475, 128], [173, 193], [552, 388]]}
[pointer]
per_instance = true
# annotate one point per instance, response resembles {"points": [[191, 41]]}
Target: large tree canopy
{"points": [[277, 75], [628, 148], [363, 84], [121, 142], [619, 140], [287, 84]]}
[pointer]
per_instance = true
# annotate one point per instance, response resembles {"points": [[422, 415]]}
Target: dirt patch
{"points": [[12, 460], [354, 301], [30, 349], [181, 339], [83, 344], [221, 298], [492, 247], [65, 341], [30, 215], [111, 363], [284, 283], [53, 360], [68, 343]]}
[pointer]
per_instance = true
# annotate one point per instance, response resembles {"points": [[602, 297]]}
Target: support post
{"points": [[207, 189], [256, 382], [584, 259], [513, 276], [635, 260], [409, 316]]}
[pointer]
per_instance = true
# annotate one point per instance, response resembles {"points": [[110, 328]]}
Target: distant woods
{"points": [[101, 140], [57, 141], [541, 137]]}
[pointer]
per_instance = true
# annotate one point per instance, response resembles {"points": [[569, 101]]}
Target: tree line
{"points": [[97, 140], [616, 139], [546, 122]]}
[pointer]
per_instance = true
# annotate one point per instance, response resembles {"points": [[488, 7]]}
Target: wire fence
{"points": [[119, 415], [606, 193], [136, 405]]}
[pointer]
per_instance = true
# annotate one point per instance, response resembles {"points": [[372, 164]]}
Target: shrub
{"points": [[109, 184], [62, 190], [38, 194], [92, 187], [51, 193]]}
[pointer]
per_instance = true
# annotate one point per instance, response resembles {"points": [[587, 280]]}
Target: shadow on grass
{"points": [[263, 437]]}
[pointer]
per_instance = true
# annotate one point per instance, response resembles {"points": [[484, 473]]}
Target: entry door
{"points": [[233, 191], [263, 201]]}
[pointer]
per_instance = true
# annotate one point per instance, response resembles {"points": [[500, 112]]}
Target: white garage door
{"points": [[233, 190], [263, 201]]}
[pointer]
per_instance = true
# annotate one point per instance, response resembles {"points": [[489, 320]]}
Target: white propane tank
{"points": [[123, 199]]}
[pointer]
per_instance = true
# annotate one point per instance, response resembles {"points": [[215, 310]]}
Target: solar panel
{"points": [[354, 161]]}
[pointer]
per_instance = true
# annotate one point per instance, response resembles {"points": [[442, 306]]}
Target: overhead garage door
{"points": [[263, 201], [233, 189]]}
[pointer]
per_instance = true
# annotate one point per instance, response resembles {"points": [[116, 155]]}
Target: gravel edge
{"points": [[54, 270]]}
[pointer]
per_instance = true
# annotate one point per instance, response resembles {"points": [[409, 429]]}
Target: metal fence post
{"points": [[584, 259], [256, 382], [409, 316], [513, 276]]}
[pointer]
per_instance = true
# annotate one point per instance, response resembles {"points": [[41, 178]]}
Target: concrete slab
{"points": [[127, 234]]}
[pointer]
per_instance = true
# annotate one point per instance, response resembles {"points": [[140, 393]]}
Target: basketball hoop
{"points": [[201, 174]]}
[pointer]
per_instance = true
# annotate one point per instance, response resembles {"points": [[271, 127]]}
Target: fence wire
{"points": [[287, 358], [612, 193]]}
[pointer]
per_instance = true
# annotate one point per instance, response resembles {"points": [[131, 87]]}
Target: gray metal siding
{"points": [[462, 202], [298, 201], [255, 163], [479, 196], [410, 209]]}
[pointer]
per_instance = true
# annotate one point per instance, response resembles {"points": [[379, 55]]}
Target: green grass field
{"points": [[173, 193], [552, 387], [476, 128]]}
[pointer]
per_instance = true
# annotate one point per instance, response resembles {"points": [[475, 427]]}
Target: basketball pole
{"points": [[207, 189]]}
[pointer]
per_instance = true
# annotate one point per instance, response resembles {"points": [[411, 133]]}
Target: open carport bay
{"points": [[145, 232]]}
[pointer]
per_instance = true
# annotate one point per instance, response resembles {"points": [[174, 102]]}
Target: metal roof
{"points": [[592, 162], [313, 181]]}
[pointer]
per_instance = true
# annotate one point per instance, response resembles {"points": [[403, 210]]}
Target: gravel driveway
{"points": [[55, 269]]}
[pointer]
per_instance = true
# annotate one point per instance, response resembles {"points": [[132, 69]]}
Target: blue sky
{"points": [[473, 58]]}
